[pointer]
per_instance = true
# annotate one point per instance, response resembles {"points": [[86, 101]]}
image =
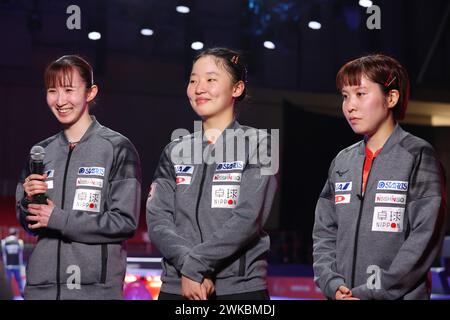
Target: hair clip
{"points": [[389, 80], [235, 59]]}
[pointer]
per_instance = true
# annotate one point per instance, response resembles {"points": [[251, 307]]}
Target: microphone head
{"points": [[37, 153]]}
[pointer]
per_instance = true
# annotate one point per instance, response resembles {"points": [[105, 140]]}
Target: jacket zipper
{"points": [[198, 201], [104, 262], [58, 259], [358, 222]]}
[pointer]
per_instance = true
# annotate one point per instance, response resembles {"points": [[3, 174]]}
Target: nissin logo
{"points": [[233, 176], [390, 198], [392, 185]]}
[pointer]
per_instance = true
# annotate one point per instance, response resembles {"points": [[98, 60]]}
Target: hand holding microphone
{"points": [[40, 207], [34, 185]]}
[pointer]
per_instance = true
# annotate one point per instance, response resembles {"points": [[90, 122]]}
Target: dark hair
{"points": [[59, 72], [233, 63], [381, 69]]}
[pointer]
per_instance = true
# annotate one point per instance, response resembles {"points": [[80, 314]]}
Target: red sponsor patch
{"points": [[180, 180], [183, 179], [342, 198]]}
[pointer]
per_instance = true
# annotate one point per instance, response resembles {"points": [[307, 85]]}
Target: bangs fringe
{"points": [[349, 75], [58, 75]]}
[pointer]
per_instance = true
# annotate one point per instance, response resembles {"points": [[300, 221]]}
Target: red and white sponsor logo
{"points": [[90, 182], [184, 180], [227, 177], [392, 198], [342, 198]]}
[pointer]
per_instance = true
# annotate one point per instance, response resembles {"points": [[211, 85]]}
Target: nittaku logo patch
{"points": [[388, 219], [226, 166], [343, 186], [184, 180], [224, 196], [342, 198], [91, 171], [392, 198], [184, 169], [392, 185], [50, 173], [227, 177]]}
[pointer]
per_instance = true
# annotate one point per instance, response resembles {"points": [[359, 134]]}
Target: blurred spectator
{"points": [[12, 253]]}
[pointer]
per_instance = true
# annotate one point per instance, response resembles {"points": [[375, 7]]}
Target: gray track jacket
{"points": [[381, 244], [96, 189], [207, 219]]}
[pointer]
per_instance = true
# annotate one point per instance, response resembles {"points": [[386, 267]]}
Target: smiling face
{"points": [[211, 90], [68, 98], [366, 107]]}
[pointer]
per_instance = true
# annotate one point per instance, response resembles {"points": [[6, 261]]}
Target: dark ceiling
{"points": [[416, 31]]}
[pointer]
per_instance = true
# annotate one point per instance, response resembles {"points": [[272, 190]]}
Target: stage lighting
{"points": [[182, 9], [314, 25], [269, 45], [197, 45], [94, 35], [147, 32], [365, 3]]}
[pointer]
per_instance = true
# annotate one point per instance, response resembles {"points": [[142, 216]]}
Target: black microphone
{"points": [[37, 154]]}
